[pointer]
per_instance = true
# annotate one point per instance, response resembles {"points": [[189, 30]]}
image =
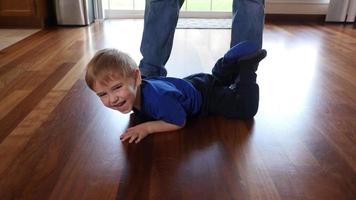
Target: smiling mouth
{"points": [[119, 104]]}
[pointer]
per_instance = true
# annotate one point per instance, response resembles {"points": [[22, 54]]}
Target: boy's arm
{"points": [[142, 130]]}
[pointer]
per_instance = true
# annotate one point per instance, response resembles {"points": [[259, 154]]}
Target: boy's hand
{"points": [[134, 133], [137, 133]]}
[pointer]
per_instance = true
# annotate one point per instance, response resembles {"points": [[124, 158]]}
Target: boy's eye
{"points": [[116, 87], [101, 94]]}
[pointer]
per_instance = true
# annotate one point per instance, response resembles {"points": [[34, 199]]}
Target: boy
{"points": [[230, 91]]}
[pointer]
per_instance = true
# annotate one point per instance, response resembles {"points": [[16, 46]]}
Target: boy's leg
{"points": [[226, 68], [248, 66], [247, 21], [242, 101], [203, 80], [156, 44], [220, 100]]}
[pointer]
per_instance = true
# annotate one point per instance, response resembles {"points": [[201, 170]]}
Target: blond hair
{"points": [[108, 63]]}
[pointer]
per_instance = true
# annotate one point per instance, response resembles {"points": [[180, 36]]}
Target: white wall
{"points": [[299, 1], [319, 7]]}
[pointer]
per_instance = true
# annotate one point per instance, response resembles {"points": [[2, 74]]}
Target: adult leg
{"points": [[247, 21], [160, 21]]}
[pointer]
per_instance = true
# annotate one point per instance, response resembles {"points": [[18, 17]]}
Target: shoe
{"points": [[227, 68], [248, 64], [252, 60], [235, 53]]}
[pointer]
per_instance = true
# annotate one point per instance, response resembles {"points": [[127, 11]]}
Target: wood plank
{"points": [[11, 101], [17, 140], [46, 155], [77, 72], [10, 121]]}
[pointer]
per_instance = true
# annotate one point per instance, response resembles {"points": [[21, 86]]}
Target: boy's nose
{"points": [[113, 99]]}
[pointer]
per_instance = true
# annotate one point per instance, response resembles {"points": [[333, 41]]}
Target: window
{"points": [[189, 5]]}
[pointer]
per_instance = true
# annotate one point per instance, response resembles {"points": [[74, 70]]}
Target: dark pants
{"points": [[219, 99]]}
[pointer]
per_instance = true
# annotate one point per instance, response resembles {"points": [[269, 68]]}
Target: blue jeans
{"points": [[160, 22]]}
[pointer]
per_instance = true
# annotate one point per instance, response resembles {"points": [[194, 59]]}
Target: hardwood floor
{"points": [[11, 36], [58, 142]]}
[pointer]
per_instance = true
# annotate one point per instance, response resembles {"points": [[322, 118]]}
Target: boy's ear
{"points": [[137, 75]]}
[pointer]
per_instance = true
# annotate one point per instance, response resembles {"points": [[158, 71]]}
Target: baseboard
{"points": [[294, 18]]}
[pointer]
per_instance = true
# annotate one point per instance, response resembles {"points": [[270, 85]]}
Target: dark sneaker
{"points": [[248, 65], [252, 60], [226, 69], [241, 49]]}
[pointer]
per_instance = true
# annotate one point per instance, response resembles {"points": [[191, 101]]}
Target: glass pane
{"points": [[222, 5], [198, 5], [139, 4], [189, 5], [105, 4], [184, 6], [121, 4]]}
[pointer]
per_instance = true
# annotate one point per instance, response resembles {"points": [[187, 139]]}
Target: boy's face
{"points": [[118, 93]]}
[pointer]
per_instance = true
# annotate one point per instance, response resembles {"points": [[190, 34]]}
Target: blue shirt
{"points": [[169, 99]]}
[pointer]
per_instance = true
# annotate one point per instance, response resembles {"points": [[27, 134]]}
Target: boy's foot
{"points": [[227, 67], [248, 66], [252, 60], [235, 53]]}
